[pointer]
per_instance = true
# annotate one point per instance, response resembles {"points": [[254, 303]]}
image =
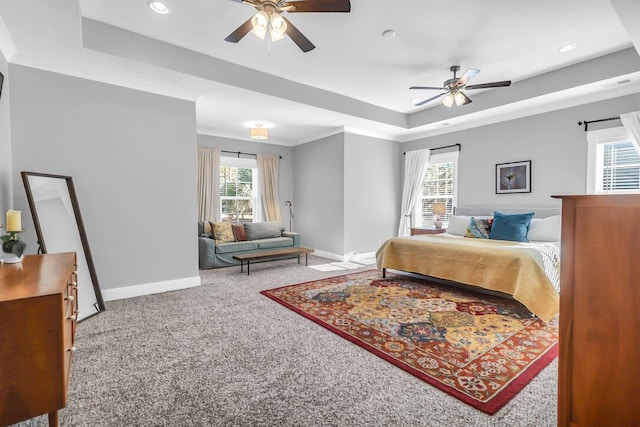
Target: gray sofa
{"points": [[262, 236]]}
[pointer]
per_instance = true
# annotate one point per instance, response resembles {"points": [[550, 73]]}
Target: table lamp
{"points": [[438, 209]]}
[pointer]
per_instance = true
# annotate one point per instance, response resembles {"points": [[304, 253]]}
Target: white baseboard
{"points": [[363, 255], [150, 288], [351, 256], [329, 255]]}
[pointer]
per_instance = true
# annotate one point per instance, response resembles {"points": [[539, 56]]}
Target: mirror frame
{"points": [[42, 248]]}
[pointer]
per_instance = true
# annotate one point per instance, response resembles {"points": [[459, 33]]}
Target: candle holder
{"points": [[12, 247]]}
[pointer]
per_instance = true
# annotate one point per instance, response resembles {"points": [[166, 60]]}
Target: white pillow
{"points": [[458, 225], [545, 229]]}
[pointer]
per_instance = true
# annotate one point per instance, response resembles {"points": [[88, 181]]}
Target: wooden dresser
{"points": [[38, 310], [599, 364]]}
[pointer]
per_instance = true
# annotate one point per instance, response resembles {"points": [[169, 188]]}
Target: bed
{"points": [[526, 271]]}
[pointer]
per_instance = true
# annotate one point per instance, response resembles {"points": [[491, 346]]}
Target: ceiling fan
{"points": [[454, 86], [269, 18]]}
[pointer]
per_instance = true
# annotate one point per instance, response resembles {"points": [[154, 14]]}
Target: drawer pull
{"points": [[74, 283], [72, 317], [70, 298], [72, 349]]}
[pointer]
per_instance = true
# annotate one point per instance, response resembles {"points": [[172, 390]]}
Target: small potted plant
{"points": [[12, 247]]}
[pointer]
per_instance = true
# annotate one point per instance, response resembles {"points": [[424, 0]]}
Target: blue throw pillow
{"points": [[510, 227]]}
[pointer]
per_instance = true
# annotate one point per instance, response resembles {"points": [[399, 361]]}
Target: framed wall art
{"points": [[514, 177]]}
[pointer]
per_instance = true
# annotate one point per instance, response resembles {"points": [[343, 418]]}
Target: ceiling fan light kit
{"points": [[277, 27], [454, 86], [259, 24], [269, 17], [447, 101]]}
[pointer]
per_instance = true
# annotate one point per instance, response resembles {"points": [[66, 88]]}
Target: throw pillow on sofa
{"points": [[222, 232], [263, 230], [207, 229], [239, 233]]}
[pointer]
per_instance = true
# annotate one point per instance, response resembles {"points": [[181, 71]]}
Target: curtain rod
{"points": [[440, 148], [586, 123], [240, 153]]}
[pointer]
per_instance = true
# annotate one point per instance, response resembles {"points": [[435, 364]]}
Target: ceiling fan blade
{"points": [[239, 33], [298, 38], [320, 6], [429, 99], [486, 85], [426, 87], [468, 75]]}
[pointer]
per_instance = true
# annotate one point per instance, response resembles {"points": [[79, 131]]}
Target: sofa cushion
{"points": [[263, 230], [239, 232], [222, 232], [275, 242], [225, 248]]}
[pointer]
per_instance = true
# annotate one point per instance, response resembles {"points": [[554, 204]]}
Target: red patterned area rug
{"points": [[478, 348]]}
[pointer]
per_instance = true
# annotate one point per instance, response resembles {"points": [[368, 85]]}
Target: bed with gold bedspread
{"points": [[528, 272]]}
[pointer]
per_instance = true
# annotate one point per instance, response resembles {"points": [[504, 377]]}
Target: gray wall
{"points": [[319, 193], [372, 175], [554, 143], [285, 189], [132, 156], [6, 189]]}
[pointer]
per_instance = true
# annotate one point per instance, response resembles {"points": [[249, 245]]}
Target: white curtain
{"points": [[208, 184], [268, 177], [415, 166], [631, 123]]}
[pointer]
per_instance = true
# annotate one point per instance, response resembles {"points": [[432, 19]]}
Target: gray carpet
{"points": [[224, 355]]}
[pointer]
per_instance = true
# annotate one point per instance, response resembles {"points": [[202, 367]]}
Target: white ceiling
{"points": [[355, 79]]}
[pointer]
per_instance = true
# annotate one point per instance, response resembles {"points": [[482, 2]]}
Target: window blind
{"points": [[620, 166]]}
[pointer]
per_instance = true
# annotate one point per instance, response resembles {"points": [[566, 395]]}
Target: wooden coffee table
{"points": [[275, 253]]}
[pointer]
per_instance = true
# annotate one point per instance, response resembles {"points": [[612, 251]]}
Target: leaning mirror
{"points": [[59, 228]]}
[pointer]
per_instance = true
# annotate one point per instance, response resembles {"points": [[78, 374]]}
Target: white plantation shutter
{"points": [[620, 167], [613, 162]]}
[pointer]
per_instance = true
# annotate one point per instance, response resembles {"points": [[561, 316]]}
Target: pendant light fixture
{"points": [[259, 132]]}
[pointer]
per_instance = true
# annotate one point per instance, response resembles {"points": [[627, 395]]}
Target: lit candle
{"points": [[14, 220]]}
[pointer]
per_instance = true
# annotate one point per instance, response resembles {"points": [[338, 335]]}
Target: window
{"points": [[614, 162], [439, 185], [239, 190]]}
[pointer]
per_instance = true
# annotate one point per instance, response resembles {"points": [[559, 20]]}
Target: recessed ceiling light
{"points": [[158, 7], [388, 33], [568, 47]]}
